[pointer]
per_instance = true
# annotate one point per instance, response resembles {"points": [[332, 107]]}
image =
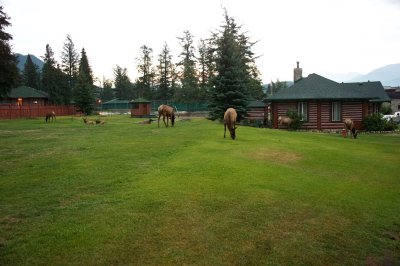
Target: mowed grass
{"points": [[131, 194]]}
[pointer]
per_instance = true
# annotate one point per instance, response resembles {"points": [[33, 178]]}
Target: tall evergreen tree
{"points": [[70, 66], [51, 77], [107, 92], [188, 77], [233, 58], [145, 81], [9, 73], [83, 92], [30, 74], [123, 85], [164, 77], [206, 68]]}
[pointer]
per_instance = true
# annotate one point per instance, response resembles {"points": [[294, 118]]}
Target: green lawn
{"points": [[126, 193]]}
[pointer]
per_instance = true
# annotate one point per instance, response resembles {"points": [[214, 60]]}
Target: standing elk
{"points": [[166, 111], [349, 126], [50, 116], [284, 120], [230, 117]]}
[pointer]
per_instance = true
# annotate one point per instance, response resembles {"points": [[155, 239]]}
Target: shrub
{"points": [[296, 122], [376, 122]]}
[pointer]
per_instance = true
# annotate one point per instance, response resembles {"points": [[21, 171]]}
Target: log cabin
{"points": [[323, 104]]}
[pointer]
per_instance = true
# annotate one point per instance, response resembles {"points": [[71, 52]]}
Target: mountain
{"points": [[389, 76], [22, 59], [341, 77]]}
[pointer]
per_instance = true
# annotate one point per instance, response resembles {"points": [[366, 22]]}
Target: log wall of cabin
{"points": [[319, 114]]}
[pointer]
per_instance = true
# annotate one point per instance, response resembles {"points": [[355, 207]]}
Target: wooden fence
{"points": [[10, 111]]}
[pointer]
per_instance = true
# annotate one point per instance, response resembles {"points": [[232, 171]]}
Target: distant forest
{"points": [[219, 70]]}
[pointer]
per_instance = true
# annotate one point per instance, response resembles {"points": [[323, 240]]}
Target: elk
{"points": [[88, 122], [284, 120], [349, 126], [230, 117], [50, 116], [166, 111]]}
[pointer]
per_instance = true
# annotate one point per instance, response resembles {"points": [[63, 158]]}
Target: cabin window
{"points": [[302, 111], [336, 111]]}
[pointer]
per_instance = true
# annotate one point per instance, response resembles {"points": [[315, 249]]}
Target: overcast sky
{"points": [[327, 36]]}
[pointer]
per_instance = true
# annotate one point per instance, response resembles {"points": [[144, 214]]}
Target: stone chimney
{"points": [[297, 73]]}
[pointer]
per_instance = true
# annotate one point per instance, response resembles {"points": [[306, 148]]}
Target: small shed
{"points": [[140, 108]]}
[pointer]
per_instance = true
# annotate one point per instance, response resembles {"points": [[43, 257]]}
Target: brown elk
{"points": [[349, 126], [166, 111], [284, 120], [230, 117], [50, 116]]}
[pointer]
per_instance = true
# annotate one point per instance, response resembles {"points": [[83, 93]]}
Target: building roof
{"points": [[116, 101], [393, 93], [27, 92], [140, 100], [256, 104], [316, 87]]}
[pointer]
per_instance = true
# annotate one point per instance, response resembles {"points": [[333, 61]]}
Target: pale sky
{"points": [[327, 36]]}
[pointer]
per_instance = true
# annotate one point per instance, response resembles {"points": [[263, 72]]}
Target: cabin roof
{"points": [[316, 87], [27, 92]]}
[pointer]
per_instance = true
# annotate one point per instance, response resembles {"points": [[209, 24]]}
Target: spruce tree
{"points": [[9, 73], [145, 81], [188, 77], [164, 77], [50, 82], [107, 93], [83, 92], [70, 66], [30, 74], [206, 68], [123, 85], [233, 67]]}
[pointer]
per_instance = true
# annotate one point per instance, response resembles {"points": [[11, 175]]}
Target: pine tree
{"points": [[107, 93], [123, 85], [9, 73], [164, 77], [206, 68], [51, 77], [70, 66], [145, 81], [30, 74], [233, 65], [83, 92], [189, 91]]}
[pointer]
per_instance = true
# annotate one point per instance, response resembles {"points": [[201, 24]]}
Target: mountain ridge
{"points": [[388, 75], [22, 59]]}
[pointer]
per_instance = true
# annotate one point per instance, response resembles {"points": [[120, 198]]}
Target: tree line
{"points": [[219, 70]]}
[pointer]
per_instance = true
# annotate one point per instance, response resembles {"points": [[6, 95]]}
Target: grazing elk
{"points": [[284, 120], [50, 116], [166, 111], [349, 126], [230, 117]]}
